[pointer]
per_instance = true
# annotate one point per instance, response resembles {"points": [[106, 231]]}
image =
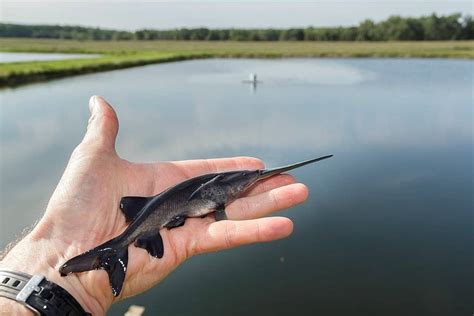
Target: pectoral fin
{"points": [[220, 213], [176, 222], [153, 243], [132, 205]]}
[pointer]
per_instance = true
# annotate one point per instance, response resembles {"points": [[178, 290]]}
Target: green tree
{"points": [[433, 27], [366, 31]]}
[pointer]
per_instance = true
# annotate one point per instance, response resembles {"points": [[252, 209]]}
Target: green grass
{"points": [[123, 54]]}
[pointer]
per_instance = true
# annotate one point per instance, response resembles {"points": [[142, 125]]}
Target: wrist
{"points": [[37, 256], [10, 307]]}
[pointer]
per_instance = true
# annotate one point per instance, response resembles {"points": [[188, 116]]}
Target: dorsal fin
{"points": [[204, 185], [132, 205]]}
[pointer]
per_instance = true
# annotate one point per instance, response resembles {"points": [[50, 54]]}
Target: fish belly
{"points": [[202, 208]]}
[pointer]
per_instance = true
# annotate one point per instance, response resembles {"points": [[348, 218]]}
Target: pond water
{"points": [[6, 57], [387, 229]]}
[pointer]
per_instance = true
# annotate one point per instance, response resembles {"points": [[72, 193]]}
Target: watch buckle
{"points": [[31, 286]]}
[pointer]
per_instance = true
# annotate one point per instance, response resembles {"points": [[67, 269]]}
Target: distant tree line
{"points": [[395, 28]]}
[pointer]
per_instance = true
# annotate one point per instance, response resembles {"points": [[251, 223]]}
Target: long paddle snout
{"points": [[267, 173]]}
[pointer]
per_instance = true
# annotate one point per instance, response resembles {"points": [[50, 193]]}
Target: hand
{"points": [[84, 212]]}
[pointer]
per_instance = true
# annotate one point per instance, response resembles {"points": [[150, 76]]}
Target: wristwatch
{"points": [[38, 294]]}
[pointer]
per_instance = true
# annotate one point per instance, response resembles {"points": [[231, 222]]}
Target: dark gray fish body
{"points": [[195, 197]]}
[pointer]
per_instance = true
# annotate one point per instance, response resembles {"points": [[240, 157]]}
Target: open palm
{"points": [[84, 209]]}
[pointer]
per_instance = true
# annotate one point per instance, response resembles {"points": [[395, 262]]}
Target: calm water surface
{"points": [[387, 229], [17, 57]]}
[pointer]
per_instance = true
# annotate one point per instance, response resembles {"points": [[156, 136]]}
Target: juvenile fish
{"points": [[195, 197]]}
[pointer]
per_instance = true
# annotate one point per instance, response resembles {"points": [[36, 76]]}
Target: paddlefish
{"points": [[195, 197]]}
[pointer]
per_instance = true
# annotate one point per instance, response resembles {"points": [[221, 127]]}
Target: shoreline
{"points": [[127, 54]]}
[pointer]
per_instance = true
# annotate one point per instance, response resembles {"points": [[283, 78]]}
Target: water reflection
{"points": [[6, 57], [388, 224]]}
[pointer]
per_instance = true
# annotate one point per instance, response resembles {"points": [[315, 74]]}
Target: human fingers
{"points": [[198, 236], [153, 178], [229, 234], [103, 124], [263, 204], [202, 166], [269, 184]]}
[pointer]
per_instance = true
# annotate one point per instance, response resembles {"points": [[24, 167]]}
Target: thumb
{"points": [[103, 124]]}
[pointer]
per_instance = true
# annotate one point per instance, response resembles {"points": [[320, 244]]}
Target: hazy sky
{"points": [[135, 14]]}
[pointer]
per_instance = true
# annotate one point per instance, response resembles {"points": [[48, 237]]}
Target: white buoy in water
{"points": [[252, 79]]}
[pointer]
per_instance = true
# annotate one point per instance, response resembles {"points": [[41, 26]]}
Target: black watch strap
{"points": [[38, 294]]}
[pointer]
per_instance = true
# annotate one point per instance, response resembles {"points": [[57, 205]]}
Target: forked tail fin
{"points": [[110, 259], [267, 173]]}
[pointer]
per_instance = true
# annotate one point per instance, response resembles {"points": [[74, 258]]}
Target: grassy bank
{"points": [[123, 54]]}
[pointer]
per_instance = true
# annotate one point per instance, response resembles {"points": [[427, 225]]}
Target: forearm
{"points": [[37, 255], [9, 307]]}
